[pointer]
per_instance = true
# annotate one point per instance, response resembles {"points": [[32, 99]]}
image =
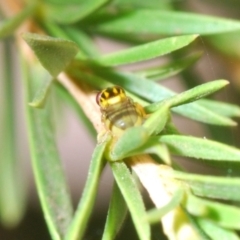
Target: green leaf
{"points": [[42, 93], [54, 54], [169, 69], [132, 197], [49, 177], [226, 44], [154, 215], [12, 178], [8, 26], [67, 13], [190, 95], [157, 121], [196, 112], [117, 213], [200, 148], [222, 214], [152, 146], [146, 51], [157, 22], [216, 232], [225, 109], [133, 4], [197, 93], [153, 92], [131, 139], [207, 186], [85, 206]]}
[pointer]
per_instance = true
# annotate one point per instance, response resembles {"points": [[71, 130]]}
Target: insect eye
{"points": [[98, 97]]}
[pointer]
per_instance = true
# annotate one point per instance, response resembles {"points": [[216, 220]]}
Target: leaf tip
{"points": [[224, 82], [34, 104]]}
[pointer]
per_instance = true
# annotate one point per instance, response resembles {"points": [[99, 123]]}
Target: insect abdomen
{"points": [[124, 117]]}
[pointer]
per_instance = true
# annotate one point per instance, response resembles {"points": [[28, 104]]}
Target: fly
{"points": [[119, 112]]}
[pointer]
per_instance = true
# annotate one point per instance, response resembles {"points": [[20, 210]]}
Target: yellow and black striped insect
{"points": [[119, 112]]}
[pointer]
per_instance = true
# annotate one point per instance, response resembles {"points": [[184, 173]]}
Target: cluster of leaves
{"points": [[70, 48]]}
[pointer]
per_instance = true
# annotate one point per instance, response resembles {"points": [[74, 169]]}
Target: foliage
{"points": [[64, 58]]}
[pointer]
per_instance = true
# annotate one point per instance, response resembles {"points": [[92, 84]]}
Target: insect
{"points": [[119, 112]]}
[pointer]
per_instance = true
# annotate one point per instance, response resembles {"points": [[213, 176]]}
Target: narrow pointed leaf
{"points": [[200, 148], [152, 146], [142, 4], [222, 214], [12, 178], [146, 51], [117, 213], [157, 121], [55, 54], [154, 215], [157, 22], [225, 109], [191, 95], [216, 232], [170, 69], [197, 93], [131, 139], [199, 113], [67, 13], [226, 44], [132, 197], [226, 188], [85, 206], [48, 173]]}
